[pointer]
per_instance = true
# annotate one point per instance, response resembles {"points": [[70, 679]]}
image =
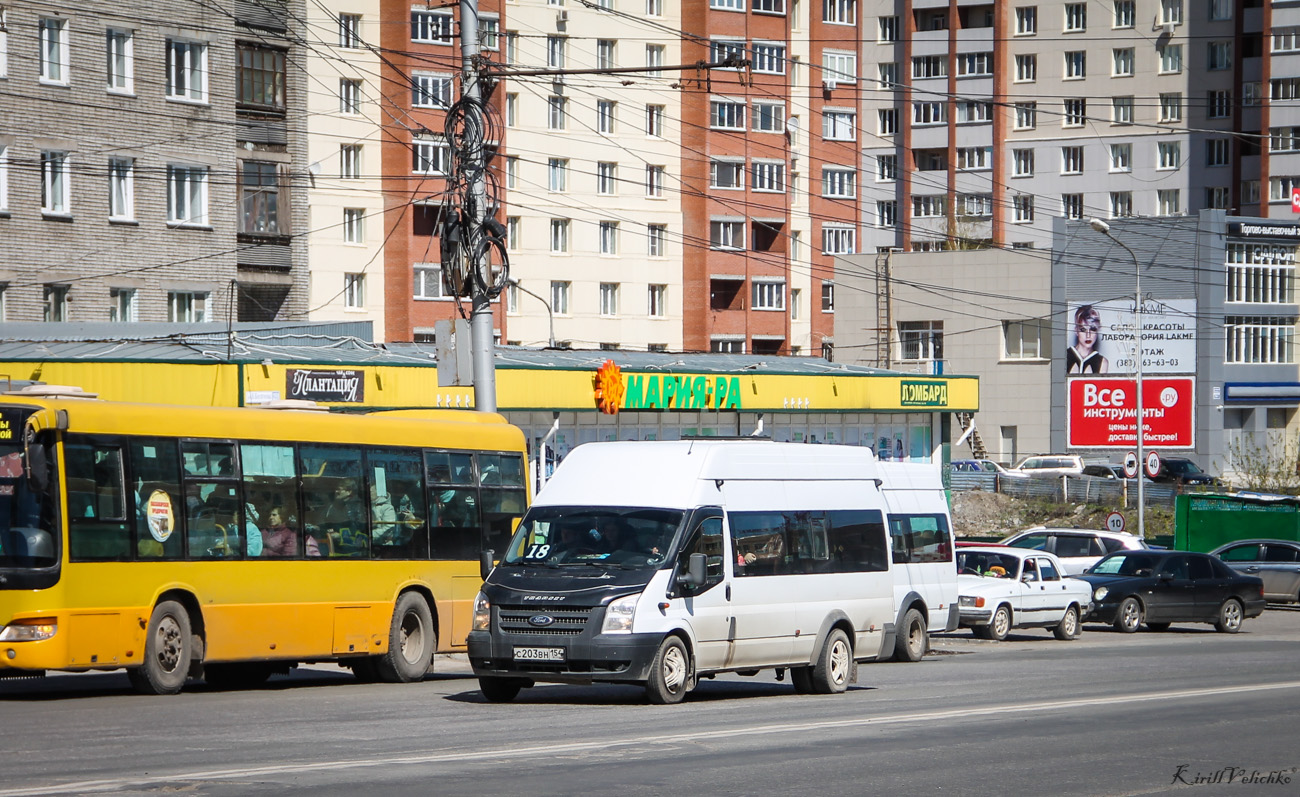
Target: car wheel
{"points": [[913, 640], [1129, 617], [1000, 625], [981, 632], [670, 674], [500, 690], [830, 674], [1157, 626], [1230, 616], [801, 679], [1068, 628]]}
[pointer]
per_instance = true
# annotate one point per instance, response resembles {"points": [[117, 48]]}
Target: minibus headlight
{"points": [[29, 631], [619, 615], [1100, 594], [482, 613]]}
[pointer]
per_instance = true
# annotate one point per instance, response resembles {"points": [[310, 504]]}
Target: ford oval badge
{"points": [[541, 620]]}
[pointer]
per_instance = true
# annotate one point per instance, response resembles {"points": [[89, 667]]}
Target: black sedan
{"points": [[1165, 587]]}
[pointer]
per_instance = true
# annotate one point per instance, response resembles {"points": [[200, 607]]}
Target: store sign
{"points": [[1102, 412], [681, 392], [1276, 230], [1168, 337], [339, 387], [609, 388], [923, 394]]}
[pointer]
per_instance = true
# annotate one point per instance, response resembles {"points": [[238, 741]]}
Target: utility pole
{"points": [[475, 211]]}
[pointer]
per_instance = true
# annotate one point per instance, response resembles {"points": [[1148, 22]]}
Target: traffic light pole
{"points": [[480, 320]]}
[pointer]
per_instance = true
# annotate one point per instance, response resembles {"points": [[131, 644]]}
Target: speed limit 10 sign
{"points": [[1115, 522]]}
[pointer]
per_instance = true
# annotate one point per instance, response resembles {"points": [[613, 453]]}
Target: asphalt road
{"points": [[1106, 714]]}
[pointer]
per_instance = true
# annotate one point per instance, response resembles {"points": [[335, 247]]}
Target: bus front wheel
{"points": [[411, 641], [167, 652]]}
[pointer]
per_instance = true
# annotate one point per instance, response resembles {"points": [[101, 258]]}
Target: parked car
{"points": [[1051, 465], [1181, 470], [1165, 587], [1275, 562], [1078, 549], [982, 466], [1003, 588], [1104, 471]]}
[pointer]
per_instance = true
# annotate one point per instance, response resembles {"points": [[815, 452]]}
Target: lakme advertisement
{"points": [[1101, 335]]}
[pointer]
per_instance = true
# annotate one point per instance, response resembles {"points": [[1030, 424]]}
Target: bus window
{"points": [[96, 503], [503, 497], [919, 539], [271, 498], [208, 459], [212, 520], [398, 516], [454, 525], [337, 521], [155, 481]]}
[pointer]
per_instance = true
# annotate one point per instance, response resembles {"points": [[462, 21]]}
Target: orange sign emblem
{"points": [[609, 388]]}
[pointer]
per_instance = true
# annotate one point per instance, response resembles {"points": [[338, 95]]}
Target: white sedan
{"points": [[1002, 588]]}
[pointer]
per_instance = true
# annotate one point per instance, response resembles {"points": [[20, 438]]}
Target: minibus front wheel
{"points": [[670, 673]]}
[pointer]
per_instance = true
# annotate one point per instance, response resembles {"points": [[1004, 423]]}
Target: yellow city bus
{"points": [[230, 544]]}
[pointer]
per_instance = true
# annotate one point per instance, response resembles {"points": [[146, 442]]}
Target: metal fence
{"points": [[1068, 489]]}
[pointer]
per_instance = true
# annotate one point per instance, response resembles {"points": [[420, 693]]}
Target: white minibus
{"points": [[660, 563]]}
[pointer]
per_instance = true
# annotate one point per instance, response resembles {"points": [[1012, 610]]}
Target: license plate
{"points": [[539, 654]]}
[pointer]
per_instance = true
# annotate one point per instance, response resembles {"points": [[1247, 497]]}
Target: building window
{"points": [[769, 58], [430, 156], [727, 234], [657, 301], [560, 297], [727, 345], [1072, 206], [1026, 68], [841, 67], [656, 240], [121, 189], [55, 183], [354, 291], [769, 295], [557, 111], [727, 174], [888, 76], [353, 225], [886, 168], [122, 305], [350, 31], [768, 6], [1171, 59], [654, 181], [1121, 204], [559, 236], [654, 8], [887, 121], [840, 12], [432, 27], [428, 282], [4, 177], [120, 56], [1218, 104], [58, 305], [514, 226], [1260, 273], [557, 171], [973, 111], [975, 205], [929, 113], [768, 117], [887, 213], [605, 178], [1168, 202], [920, 340], [187, 307], [929, 206], [1076, 65], [187, 195], [1168, 154], [1121, 110], [727, 5], [609, 237], [839, 183], [828, 296], [1022, 163], [605, 53], [259, 199], [1121, 157], [1217, 198], [1123, 17], [187, 68], [1122, 60], [54, 50], [769, 176], [1250, 192], [839, 125], [1279, 188], [1285, 40], [1030, 339], [1218, 151], [1076, 112], [1259, 340], [1218, 55], [1071, 160], [1171, 107], [726, 115], [974, 64], [1026, 20], [924, 66], [512, 171], [430, 91], [605, 116], [1023, 208], [260, 77], [350, 161], [654, 121], [1284, 139], [512, 109], [839, 239], [1026, 115], [654, 58], [609, 298], [1076, 17], [349, 96]]}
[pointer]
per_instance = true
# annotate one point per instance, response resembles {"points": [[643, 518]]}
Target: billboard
{"points": [[1100, 337], [1101, 412]]}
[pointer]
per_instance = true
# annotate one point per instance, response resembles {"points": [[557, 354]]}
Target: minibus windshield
{"points": [[622, 537]]}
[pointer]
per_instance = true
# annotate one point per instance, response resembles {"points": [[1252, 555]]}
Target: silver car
{"points": [[1275, 562], [1078, 549]]}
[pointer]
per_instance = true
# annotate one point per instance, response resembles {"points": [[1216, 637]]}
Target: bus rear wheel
{"points": [[411, 642], [167, 652]]}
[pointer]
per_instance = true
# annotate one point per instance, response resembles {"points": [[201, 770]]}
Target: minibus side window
{"points": [[706, 539], [918, 539]]}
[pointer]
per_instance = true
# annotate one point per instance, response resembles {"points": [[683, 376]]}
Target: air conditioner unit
{"points": [[829, 85], [1167, 28], [561, 17]]}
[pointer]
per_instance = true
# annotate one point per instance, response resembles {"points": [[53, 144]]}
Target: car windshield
{"points": [[623, 537], [1125, 564], [988, 564], [1182, 467]]}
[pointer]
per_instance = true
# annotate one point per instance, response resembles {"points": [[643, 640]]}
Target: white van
{"points": [[660, 563], [925, 573]]}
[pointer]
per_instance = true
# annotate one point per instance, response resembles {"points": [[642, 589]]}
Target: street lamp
{"points": [[1104, 228], [550, 314]]}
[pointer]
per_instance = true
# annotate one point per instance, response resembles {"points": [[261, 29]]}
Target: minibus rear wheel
{"points": [[913, 641], [670, 674]]}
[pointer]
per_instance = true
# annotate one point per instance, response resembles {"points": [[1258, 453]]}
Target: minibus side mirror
{"points": [[485, 563], [696, 571]]}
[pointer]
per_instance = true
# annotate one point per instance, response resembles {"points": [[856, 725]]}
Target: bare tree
{"points": [[1269, 463]]}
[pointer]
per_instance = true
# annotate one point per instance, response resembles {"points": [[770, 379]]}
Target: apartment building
{"points": [[150, 163]]}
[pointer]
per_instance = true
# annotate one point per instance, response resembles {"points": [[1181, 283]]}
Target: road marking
{"points": [[117, 784]]}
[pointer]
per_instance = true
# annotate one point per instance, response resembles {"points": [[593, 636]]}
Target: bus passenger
{"points": [[383, 517], [277, 538]]}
